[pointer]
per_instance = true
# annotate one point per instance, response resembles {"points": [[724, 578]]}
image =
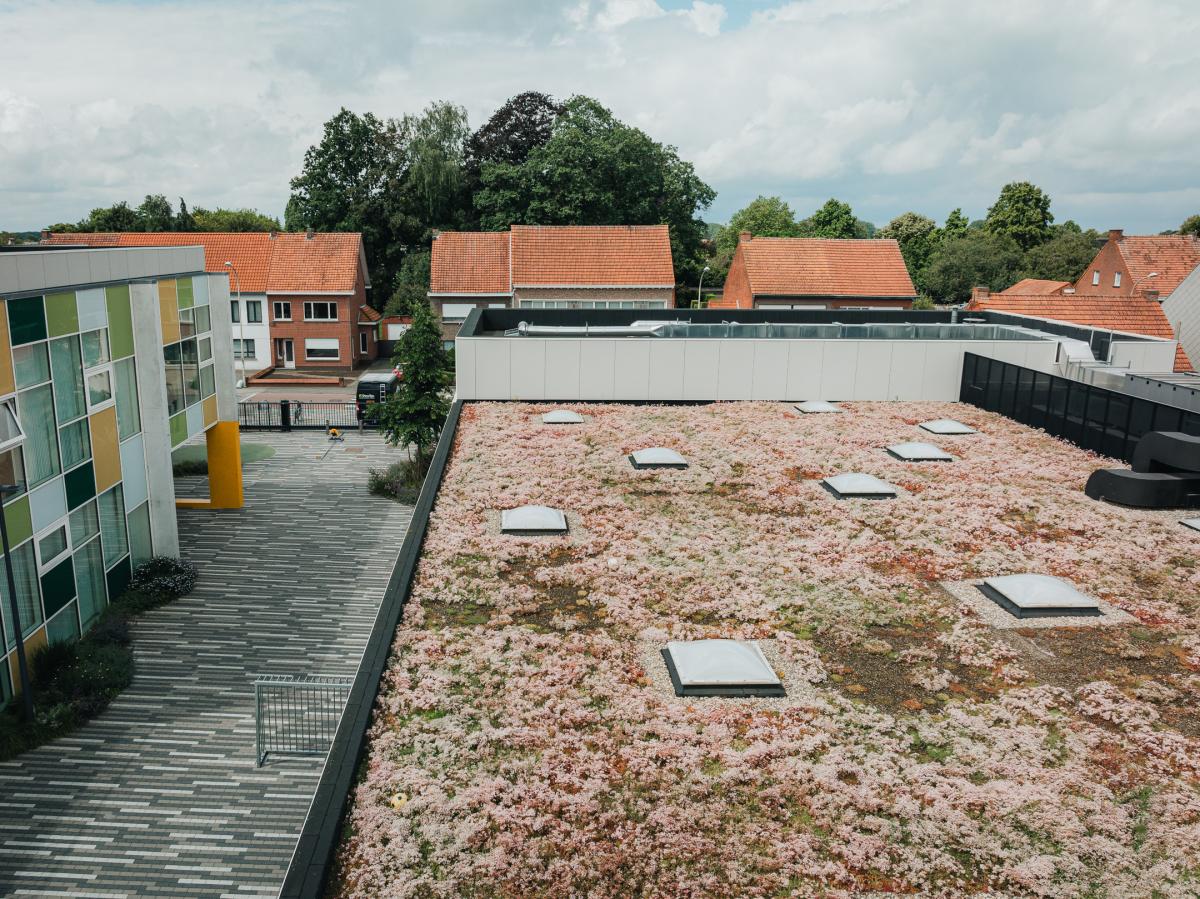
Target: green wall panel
{"points": [[58, 586], [26, 320], [183, 287], [120, 321], [178, 429], [62, 317], [80, 484], [17, 520], [65, 625], [118, 579]]}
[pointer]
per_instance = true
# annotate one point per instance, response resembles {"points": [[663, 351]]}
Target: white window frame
{"points": [[1116, 279], [106, 368], [362, 343], [337, 348], [253, 321], [239, 348], [10, 405], [278, 305], [235, 312], [45, 565], [1096, 278], [310, 307]]}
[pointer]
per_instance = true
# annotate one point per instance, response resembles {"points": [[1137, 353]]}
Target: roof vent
{"points": [[919, 452], [814, 407], [308, 235], [1193, 523], [562, 417], [866, 486], [1038, 596], [657, 457], [947, 426], [533, 520], [720, 668]]}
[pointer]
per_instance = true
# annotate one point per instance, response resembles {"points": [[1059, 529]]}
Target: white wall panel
{"points": [[464, 367], [631, 369], [596, 360], [838, 370], [527, 370], [701, 359], [667, 370], [491, 369], [805, 360], [770, 370], [873, 371], [562, 369], [907, 370], [943, 370], [735, 369]]}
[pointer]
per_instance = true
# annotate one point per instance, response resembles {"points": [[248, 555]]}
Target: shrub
{"points": [[190, 468], [400, 480], [164, 574]]}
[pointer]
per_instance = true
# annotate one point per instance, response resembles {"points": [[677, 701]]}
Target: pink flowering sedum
{"points": [[526, 740]]}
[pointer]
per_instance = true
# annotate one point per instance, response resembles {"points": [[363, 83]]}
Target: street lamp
{"points": [[237, 282], [1133, 290], [700, 286]]}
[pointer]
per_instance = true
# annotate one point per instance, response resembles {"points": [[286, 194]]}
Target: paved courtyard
{"points": [[159, 796]]}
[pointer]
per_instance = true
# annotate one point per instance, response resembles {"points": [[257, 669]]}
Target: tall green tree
{"points": [[233, 220], [118, 217], [1191, 225], [956, 225], [351, 181], [1063, 257], [434, 145], [155, 214], [917, 236], [184, 221], [834, 220], [1022, 212], [979, 258], [762, 217], [412, 284], [596, 170], [524, 123], [414, 414]]}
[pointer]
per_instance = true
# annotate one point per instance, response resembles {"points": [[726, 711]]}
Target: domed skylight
{"points": [[562, 417], [720, 668], [947, 426], [657, 457], [814, 407], [530, 520], [1193, 523], [1038, 596], [845, 486], [919, 452]]}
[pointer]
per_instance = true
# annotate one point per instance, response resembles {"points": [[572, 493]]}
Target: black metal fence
{"points": [[292, 415], [1105, 421]]}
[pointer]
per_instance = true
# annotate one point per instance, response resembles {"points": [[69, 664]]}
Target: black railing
{"points": [[291, 415], [1105, 421]]}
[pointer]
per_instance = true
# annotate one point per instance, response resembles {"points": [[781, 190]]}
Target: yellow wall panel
{"points": [[210, 410], [168, 309], [7, 383], [106, 449]]}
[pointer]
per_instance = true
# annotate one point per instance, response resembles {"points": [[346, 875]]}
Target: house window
{"points": [[1095, 278], [456, 312], [234, 315], [10, 427], [321, 348], [282, 311], [1116, 279], [243, 349], [320, 312], [99, 385], [53, 546], [254, 311], [362, 343]]}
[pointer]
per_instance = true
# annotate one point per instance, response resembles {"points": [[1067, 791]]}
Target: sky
{"points": [[890, 105]]}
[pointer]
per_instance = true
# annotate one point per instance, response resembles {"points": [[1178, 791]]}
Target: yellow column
{"points": [[224, 466]]}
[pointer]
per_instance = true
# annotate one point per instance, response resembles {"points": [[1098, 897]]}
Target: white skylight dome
{"points": [[1038, 596], [657, 457], [815, 407], [529, 520], [720, 668], [562, 417], [947, 426], [1193, 523], [858, 485], [919, 452]]}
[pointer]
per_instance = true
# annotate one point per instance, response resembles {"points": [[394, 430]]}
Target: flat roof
{"points": [[44, 269], [528, 739]]}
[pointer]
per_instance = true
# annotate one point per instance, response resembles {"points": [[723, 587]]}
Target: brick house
{"points": [[550, 267], [303, 295], [816, 273], [1126, 264]]}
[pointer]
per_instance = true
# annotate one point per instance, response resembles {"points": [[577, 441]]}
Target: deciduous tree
{"points": [[233, 220], [1063, 257], [916, 235], [1191, 225], [1022, 212], [524, 123], [833, 220], [762, 217], [979, 258], [414, 414], [155, 214]]}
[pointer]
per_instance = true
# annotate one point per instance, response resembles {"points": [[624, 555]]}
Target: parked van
{"points": [[375, 387]]}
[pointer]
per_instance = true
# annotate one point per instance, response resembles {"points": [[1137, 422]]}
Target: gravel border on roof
{"points": [[967, 593]]}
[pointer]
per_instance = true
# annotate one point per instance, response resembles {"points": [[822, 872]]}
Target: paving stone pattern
{"points": [[159, 796]]}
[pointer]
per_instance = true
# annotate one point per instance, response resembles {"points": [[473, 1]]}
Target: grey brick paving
{"points": [[159, 795]]}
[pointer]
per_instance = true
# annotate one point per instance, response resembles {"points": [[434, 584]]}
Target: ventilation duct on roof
{"points": [[657, 457], [947, 426], [856, 485], [919, 452], [1038, 596], [533, 520], [720, 668]]}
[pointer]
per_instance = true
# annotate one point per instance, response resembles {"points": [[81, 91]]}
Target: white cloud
{"points": [[888, 104]]}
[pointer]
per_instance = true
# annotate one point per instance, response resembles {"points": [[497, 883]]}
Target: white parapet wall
{"points": [[703, 369]]}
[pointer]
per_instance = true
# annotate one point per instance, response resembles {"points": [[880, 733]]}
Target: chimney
{"points": [[745, 237], [978, 294], [1151, 295], [45, 237], [308, 235], [1115, 233], [436, 233], [273, 233]]}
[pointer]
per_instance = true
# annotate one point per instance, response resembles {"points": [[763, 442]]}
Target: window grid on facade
{"points": [[281, 311], [319, 311]]}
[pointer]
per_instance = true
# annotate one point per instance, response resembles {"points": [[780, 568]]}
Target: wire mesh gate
{"points": [[297, 715]]}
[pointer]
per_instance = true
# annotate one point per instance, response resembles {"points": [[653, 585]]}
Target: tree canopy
{"points": [[980, 257], [1022, 212], [1191, 225], [833, 220], [1063, 257], [762, 217], [415, 413], [916, 235], [524, 123]]}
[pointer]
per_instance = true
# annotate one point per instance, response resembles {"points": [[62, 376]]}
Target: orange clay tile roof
{"points": [[592, 255], [371, 315], [470, 262], [287, 263], [542, 255], [1173, 256], [1131, 314], [804, 266], [1036, 287]]}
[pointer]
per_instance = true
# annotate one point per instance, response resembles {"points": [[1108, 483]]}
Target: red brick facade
{"points": [[346, 330]]}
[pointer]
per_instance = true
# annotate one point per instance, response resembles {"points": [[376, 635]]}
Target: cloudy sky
{"points": [[890, 105]]}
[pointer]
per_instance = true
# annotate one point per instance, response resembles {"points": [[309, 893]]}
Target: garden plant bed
{"points": [[527, 741]]}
